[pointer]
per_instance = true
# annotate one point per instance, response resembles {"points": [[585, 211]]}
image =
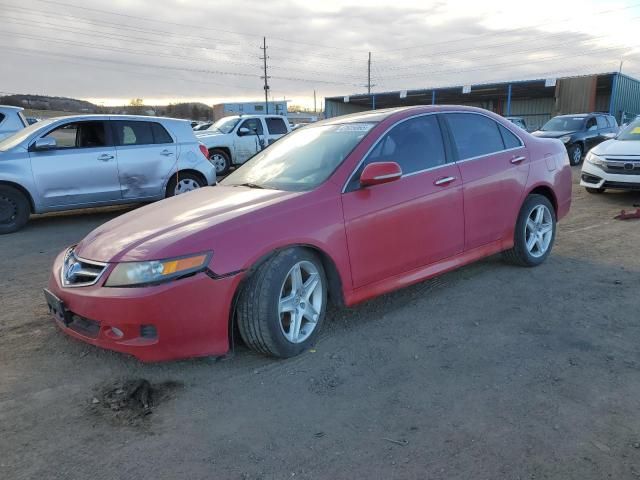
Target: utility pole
{"points": [[266, 77], [314, 102], [369, 75]]}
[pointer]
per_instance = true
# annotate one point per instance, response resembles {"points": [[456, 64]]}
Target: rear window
{"points": [[474, 135], [160, 134], [276, 126], [510, 140]]}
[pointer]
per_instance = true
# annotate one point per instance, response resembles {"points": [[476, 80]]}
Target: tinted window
{"points": [[612, 121], [253, 124], [79, 135], [133, 133], [276, 126], [160, 134], [602, 123], [415, 144], [474, 135], [1, 117], [591, 124], [509, 139]]}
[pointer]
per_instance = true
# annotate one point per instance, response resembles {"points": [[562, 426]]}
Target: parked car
{"points": [[92, 160], [340, 211], [614, 164], [11, 120], [234, 140], [518, 121], [579, 132], [202, 126]]}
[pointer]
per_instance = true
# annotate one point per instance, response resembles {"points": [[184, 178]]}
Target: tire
{"points": [[575, 154], [220, 160], [521, 254], [14, 209], [594, 190], [263, 326], [182, 183]]}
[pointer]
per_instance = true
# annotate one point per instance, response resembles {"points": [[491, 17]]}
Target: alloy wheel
{"points": [[300, 303], [186, 185], [219, 162], [538, 231]]}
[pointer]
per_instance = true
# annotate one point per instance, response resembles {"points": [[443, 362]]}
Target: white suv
{"points": [[614, 164], [234, 140], [11, 120], [93, 160]]}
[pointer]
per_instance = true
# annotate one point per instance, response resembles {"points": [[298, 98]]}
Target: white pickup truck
{"points": [[233, 140], [11, 120]]}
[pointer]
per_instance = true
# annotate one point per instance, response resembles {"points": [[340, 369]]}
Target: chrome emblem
{"points": [[73, 268], [628, 166]]}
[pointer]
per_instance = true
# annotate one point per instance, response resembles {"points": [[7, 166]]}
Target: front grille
{"points": [[78, 272], [623, 166], [623, 185]]}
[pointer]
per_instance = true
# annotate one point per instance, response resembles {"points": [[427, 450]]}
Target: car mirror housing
{"points": [[243, 131], [46, 143], [380, 172]]}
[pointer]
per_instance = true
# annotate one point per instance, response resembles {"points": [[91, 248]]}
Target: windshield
{"points": [[23, 134], [225, 125], [630, 132], [301, 160], [563, 124]]}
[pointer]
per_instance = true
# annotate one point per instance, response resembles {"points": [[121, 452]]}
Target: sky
{"points": [[166, 51]]}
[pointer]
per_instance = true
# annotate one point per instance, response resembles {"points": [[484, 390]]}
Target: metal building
{"points": [[534, 100], [249, 108]]}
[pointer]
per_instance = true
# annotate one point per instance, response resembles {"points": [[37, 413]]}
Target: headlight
{"points": [[565, 139], [128, 274], [593, 159]]}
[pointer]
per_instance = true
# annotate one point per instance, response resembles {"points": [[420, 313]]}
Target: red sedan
{"points": [[340, 211]]}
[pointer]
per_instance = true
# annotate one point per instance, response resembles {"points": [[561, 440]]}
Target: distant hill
{"points": [[42, 102]]}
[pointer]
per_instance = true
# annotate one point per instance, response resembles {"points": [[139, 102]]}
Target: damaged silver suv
{"points": [[94, 160]]}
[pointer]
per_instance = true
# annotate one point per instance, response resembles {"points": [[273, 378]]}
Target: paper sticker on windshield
{"points": [[636, 131], [355, 127]]}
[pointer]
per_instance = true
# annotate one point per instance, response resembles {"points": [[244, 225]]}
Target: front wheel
{"points": [[282, 306], [535, 232], [575, 154]]}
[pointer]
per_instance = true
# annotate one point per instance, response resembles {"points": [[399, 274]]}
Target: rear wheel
{"points": [[575, 154], [595, 190], [535, 232], [220, 160], [282, 306], [14, 209], [182, 183]]}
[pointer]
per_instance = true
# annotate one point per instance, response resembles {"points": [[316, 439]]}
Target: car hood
{"points": [[175, 226], [551, 134], [618, 147], [208, 133]]}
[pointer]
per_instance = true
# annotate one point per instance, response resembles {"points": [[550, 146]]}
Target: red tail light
{"points": [[204, 151]]}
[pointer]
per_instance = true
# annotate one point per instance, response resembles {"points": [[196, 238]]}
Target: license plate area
{"points": [[57, 308]]}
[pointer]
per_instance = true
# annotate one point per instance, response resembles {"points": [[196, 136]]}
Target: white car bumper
{"points": [[595, 177]]}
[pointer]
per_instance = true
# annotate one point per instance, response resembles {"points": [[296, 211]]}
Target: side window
{"points": [[591, 124], [160, 134], [253, 124], [2, 117], [602, 122], [509, 139], [612, 121], [474, 135], [79, 135], [133, 133], [276, 126], [415, 144]]}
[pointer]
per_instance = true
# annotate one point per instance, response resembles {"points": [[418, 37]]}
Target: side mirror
{"points": [[46, 143], [243, 131], [380, 172], [610, 135]]}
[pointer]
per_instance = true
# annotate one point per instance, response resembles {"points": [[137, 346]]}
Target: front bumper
{"points": [[179, 319], [594, 177]]}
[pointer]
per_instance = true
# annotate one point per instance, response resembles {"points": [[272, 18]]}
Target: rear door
{"points": [[276, 128], [494, 164], [417, 220], [147, 154], [81, 170]]}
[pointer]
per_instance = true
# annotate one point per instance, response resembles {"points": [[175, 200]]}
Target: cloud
{"points": [[185, 49]]}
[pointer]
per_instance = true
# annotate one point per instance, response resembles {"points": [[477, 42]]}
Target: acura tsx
{"points": [[340, 211]]}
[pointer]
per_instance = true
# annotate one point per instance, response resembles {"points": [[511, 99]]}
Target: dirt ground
{"points": [[489, 372]]}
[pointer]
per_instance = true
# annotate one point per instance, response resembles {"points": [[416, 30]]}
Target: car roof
{"points": [[104, 116], [10, 107]]}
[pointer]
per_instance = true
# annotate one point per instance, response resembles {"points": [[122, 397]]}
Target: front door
{"points": [[414, 221], [147, 155], [494, 164], [81, 170], [246, 145]]}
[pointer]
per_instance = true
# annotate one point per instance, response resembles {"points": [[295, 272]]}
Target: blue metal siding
{"points": [[625, 97]]}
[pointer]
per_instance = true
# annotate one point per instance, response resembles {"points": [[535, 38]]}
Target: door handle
{"points": [[166, 153], [105, 157], [516, 160], [444, 181]]}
